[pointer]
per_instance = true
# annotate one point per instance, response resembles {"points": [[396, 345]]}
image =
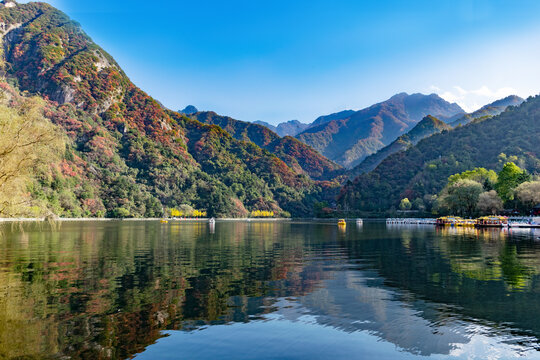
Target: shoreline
{"points": [[322, 220], [11, 220]]}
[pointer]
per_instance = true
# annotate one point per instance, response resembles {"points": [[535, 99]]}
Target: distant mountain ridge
{"points": [[427, 127], [295, 127], [350, 136], [335, 116], [266, 125], [287, 128], [294, 153], [492, 109], [421, 171]]}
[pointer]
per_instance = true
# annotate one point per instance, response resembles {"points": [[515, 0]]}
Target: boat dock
{"points": [[410, 221], [485, 221]]}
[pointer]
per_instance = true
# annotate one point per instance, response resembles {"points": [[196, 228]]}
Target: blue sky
{"points": [[281, 60]]}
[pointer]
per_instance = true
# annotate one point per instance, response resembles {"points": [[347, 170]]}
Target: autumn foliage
{"points": [[128, 156]]}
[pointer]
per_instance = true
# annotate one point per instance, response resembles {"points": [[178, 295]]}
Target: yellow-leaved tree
{"points": [[28, 144]]}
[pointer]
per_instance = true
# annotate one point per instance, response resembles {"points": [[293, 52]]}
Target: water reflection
{"points": [[108, 290]]}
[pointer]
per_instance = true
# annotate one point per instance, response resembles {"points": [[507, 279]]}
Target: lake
{"points": [[263, 290]]}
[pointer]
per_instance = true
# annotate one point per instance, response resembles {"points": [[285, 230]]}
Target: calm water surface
{"points": [[143, 290]]}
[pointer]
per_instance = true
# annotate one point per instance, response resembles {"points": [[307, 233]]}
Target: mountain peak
{"points": [[358, 134], [188, 110], [492, 109], [400, 97], [335, 116], [511, 100], [431, 119], [287, 128], [429, 122], [292, 122]]}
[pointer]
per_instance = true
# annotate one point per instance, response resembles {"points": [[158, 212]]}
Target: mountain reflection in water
{"points": [[113, 290]]}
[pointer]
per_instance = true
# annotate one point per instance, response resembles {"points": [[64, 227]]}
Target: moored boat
{"points": [[410, 221], [468, 222], [524, 222], [492, 221], [449, 221], [342, 222]]}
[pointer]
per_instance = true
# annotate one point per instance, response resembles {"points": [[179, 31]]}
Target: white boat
{"points": [[410, 221], [212, 221], [524, 222]]}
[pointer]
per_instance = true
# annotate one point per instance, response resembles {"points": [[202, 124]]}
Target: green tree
{"points": [[120, 213], [418, 204], [488, 178], [461, 197], [509, 178], [318, 208], [405, 204]]}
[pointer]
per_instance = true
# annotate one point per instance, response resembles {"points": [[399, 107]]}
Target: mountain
{"points": [[288, 128], [348, 140], [423, 170], [266, 125], [295, 127], [335, 116], [495, 108], [188, 110], [511, 100], [128, 156], [427, 127], [299, 156]]}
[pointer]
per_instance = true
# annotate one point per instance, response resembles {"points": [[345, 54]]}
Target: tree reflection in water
{"points": [[107, 290]]}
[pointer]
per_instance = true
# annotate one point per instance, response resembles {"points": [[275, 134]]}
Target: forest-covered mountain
{"points": [[126, 155], [287, 128], [495, 108], [295, 127], [427, 127], [299, 156], [423, 170], [348, 140]]}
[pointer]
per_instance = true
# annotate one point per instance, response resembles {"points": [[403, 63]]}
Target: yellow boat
{"points": [[492, 221], [454, 221], [342, 222], [164, 221], [449, 221]]}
